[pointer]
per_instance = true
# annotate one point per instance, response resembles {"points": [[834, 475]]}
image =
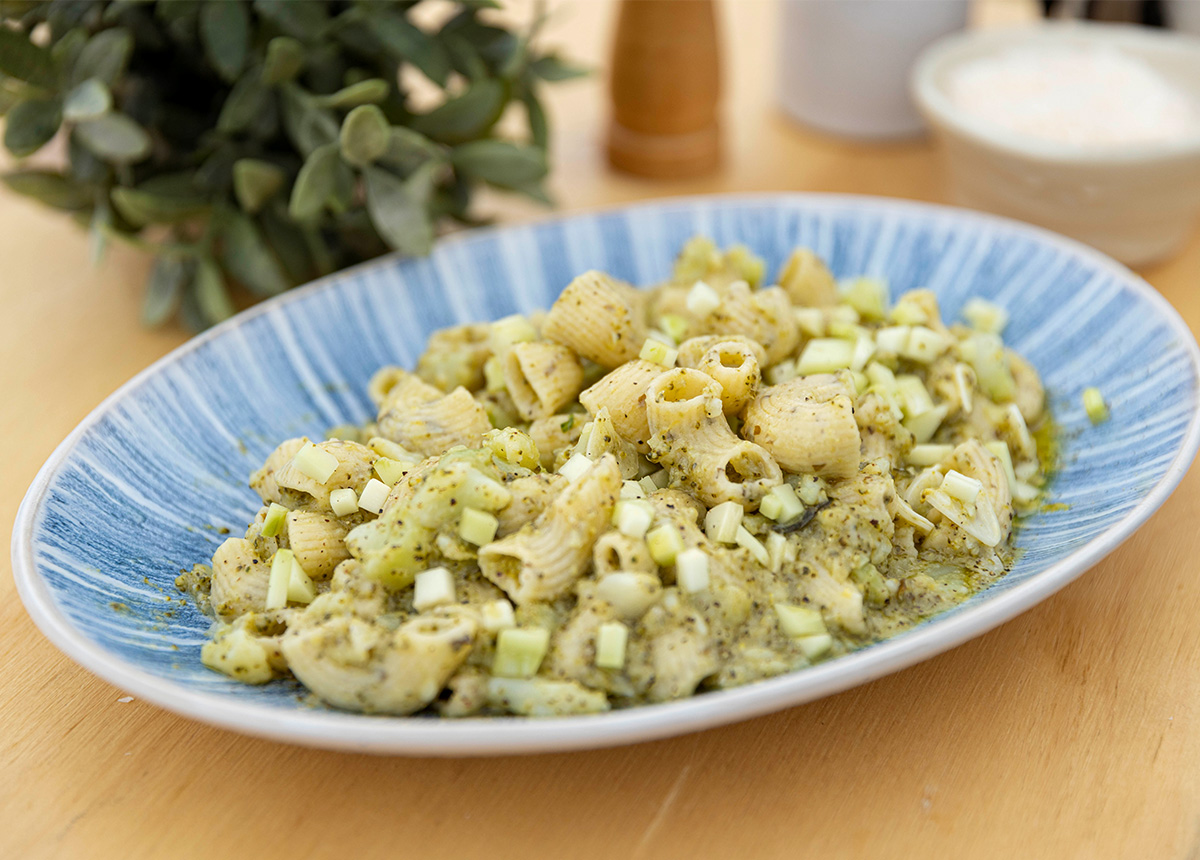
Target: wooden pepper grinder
{"points": [[665, 87]]}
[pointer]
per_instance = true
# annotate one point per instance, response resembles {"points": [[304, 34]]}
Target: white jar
{"points": [[844, 64]]}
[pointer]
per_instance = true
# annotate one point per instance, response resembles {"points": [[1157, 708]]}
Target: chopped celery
{"points": [[924, 344], [810, 320], [373, 496], [841, 313], [722, 521], [861, 383], [964, 382], [433, 587], [923, 426], [985, 316], [749, 542], [814, 646], [864, 350], [985, 353], [675, 326], [497, 615], [611, 638], [777, 550], [316, 463], [477, 527], [632, 490], [388, 448], [880, 377], [520, 651], [575, 467], [1000, 449], [781, 504], [281, 579], [493, 375], [959, 486], [1014, 422], [691, 570], [390, 471], [795, 621], [908, 312], [702, 299], [665, 544], [782, 372], [658, 353], [647, 485], [1094, 405], [509, 331], [661, 479], [343, 502], [914, 397], [275, 519], [633, 517], [928, 454], [846, 330], [868, 296], [875, 590], [300, 586], [824, 355], [893, 339]]}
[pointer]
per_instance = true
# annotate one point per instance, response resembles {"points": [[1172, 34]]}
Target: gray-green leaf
{"points": [[467, 117], [211, 296], [297, 18], [407, 150], [146, 205], [25, 61], [365, 135], [500, 162], [554, 68], [370, 91], [248, 258], [408, 42], [163, 289], [255, 182], [315, 183], [114, 137], [104, 56], [307, 125], [52, 189], [285, 59], [245, 101], [225, 32], [399, 208], [539, 127], [89, 100], [30, 125]]}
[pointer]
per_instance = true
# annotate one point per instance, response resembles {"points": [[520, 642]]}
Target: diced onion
{"points": [[691, 570], [520, 651], [477, 527], [316, 463], [343, 502], [796, 621], [373, 496], [433, 587], [722, 521]]}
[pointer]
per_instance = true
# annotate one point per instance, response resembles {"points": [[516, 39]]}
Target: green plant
{"points": [[268, 142]]}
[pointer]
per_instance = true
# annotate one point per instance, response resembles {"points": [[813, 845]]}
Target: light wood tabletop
{"points": [[1070, 732]]}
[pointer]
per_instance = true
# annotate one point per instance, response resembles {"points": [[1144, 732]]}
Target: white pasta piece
{"points": [[604, 438], [595, 317], [353, 470], [693, 350], [454, 356], [807, 281], [764, 316], [531, 494], [927, 301], [839, 602], [555, 433], [616, 552], [396, 386], [541, 377], [541, 697], [239, 579], [681, 659], [434, 426], [690, 436], [353, 662], [623, 391], [318, 542], [543, 559], [263, 480], [807, 424], [734, 365]]}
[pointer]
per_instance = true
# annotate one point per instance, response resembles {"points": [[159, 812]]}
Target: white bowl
{"points": [[1138, 203]]}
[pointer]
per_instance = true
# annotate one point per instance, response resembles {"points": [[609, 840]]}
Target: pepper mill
{"points": [[665, 86]]}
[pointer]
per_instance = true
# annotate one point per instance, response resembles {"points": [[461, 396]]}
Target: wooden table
{"points": [[1069, 732]]}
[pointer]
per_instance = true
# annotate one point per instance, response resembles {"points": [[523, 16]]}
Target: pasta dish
{"points": [[636, 496]]}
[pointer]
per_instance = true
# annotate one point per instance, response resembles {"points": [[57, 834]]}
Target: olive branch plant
{"points": [[265, 143]]}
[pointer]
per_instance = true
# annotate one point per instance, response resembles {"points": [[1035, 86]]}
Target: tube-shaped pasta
{"points": [[690, 436], [318, 541], [807, 281], [681, 658], [624, 393], [353, 662], [541, 378], [808, 425], [693, 350], [436, 425], [616, 552], [397, 387], [764, 316], [595, 318], [239, 579], [603, 438], [734, 365], [531, 495], [354, 462], [544, 558]]}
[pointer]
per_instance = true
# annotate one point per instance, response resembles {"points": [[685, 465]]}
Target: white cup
{"points": [[844, 64]]}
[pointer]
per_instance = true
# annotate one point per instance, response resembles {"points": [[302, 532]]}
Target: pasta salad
{"points": [[636, 496]]}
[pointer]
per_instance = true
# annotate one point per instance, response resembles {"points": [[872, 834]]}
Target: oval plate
{"points": [[146, 484]]}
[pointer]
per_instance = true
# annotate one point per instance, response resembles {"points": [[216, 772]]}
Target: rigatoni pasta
{"points": [[637, 496]]}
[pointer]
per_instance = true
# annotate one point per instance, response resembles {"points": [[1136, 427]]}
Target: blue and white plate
{"points": [[148, 483]]}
